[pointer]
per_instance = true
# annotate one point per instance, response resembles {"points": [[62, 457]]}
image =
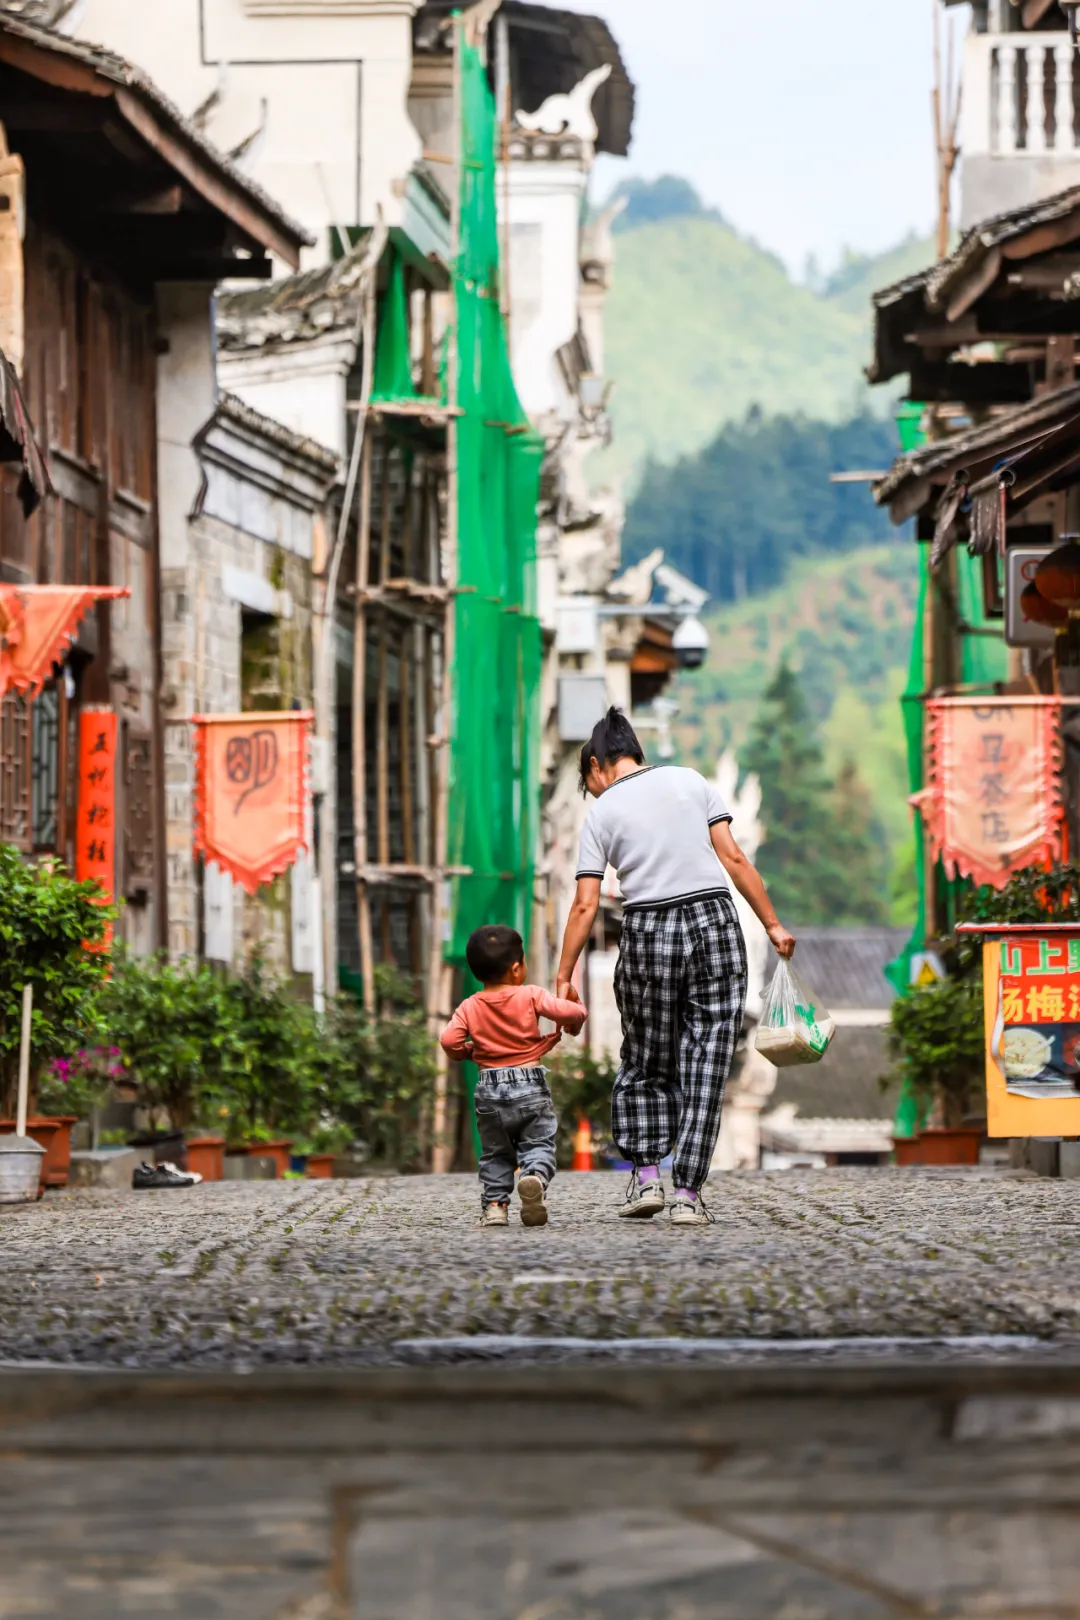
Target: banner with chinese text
{"points": [[992, 803], [37, 624], [251, 792], [95, 817], [1032, 995]]}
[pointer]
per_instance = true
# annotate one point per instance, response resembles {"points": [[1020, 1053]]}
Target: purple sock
{"points": [[685, 1192], [648, 1172]]}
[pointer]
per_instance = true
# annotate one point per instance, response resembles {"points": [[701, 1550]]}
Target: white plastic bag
{"points": [[793, 1029]]}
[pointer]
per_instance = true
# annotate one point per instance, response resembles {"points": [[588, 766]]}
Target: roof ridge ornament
{"points": [[570, 113]]}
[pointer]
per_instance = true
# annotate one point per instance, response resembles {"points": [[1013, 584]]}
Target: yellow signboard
{"points": [[1031, 1005]]}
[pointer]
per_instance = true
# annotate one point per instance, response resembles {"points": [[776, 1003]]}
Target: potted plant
{"points": [[52, 934], [937, 1033], [375, 1076], [268, 1065], [166, 1019], [316, 1154]]}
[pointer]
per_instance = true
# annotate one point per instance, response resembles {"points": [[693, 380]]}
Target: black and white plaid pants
{"points": [[680, 984]]}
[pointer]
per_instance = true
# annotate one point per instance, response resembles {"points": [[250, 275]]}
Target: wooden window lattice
{"points": [[15, 772]]}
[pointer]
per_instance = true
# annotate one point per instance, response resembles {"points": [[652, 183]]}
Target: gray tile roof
{"points": [[846, 966], [844, 1085]]}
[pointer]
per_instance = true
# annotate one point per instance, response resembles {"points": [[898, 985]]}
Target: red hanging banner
{"points": [[992, 804], [95, 820], [251, 792], [37, 624]]}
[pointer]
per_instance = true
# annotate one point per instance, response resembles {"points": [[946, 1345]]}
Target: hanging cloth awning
{"points": [[37, 624], [19, 443], [252, 792], [993, 797]]}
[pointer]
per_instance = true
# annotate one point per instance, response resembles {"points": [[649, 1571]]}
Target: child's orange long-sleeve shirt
{"points": [[499, 1029]]}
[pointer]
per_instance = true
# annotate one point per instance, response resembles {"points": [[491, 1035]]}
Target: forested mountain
{"points": [[703, 324], [843, 623], [734, 516]]}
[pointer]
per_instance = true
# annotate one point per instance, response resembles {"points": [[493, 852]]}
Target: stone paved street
{"points": [[343, 1272]]}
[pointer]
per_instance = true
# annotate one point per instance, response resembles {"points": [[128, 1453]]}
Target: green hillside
{"points": [[845, 624], [702, 324]]}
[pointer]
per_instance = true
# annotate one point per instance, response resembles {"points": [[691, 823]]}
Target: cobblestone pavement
{"points": [[343, 1272]]}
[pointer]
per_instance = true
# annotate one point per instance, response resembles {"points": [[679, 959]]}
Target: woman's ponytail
{"points": [[613, 738]]}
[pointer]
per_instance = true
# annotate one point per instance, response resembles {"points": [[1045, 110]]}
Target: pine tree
{"points": [[821, 858]]}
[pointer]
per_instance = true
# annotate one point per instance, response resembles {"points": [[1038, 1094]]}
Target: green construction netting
{"points": [[495, 727]]}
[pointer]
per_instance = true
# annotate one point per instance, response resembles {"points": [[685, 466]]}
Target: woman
{"points": [[680, 982]]}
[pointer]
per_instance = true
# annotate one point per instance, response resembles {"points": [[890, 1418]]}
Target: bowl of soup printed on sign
{"points": [[1042, 1060]]}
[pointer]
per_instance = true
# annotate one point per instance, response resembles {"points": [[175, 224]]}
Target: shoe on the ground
{"points": [[686, 1211], [644, 1199], [189, 1175], [149, 1176], [495, 1215], [531, 1190]]}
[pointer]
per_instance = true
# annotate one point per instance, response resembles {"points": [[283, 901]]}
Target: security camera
{"points": [[691, 643]]}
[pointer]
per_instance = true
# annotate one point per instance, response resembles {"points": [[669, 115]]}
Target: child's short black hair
{"points": [[613, 738], [492, 952]]}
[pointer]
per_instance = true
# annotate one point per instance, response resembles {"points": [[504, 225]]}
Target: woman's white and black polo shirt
{"points": [[653, 828]]}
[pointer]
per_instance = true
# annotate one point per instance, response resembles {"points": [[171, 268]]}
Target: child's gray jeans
{"points": [[517, 1124]]}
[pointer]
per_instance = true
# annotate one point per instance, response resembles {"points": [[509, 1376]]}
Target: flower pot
{"points": [[940, 1144], [206, 1157], [58, 1152], [320, 1166], [43, 1129], [21, 1169], [277, 1151]]}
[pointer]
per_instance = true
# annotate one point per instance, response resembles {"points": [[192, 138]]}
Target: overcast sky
{"points": [[807, 125]]}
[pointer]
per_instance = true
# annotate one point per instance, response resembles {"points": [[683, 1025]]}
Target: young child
{"points": [[498, 1028]]}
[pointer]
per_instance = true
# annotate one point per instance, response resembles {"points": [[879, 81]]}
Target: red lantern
{"points": [[1035, 609], [1057, 577]]}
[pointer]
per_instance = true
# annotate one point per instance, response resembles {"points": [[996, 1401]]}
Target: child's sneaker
{"points": [[495, 1215], [644, 1199], [534, 1211]]}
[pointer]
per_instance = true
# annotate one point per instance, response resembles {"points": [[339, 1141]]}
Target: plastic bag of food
{"points": [[793, 1028]]}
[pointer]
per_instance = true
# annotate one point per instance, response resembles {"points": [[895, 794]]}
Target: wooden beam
{"points": [[973, 286], [164, 200], [214, 187]]}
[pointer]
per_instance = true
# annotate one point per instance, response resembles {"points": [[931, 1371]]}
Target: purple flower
{"points": [[114, 1051]]}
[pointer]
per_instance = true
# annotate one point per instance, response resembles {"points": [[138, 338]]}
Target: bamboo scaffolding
{"points": [[359, 728]]}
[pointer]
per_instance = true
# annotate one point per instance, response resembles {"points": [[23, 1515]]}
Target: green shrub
{"points": [[580, 1089], [377, 1076], [47, 920], [937, 1032]]}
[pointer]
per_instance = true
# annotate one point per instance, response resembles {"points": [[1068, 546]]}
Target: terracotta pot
{"points": [[278, 1151], [320, 1166], [206, 1157], [44, 1129], [941, 1145], [58, 1153]]}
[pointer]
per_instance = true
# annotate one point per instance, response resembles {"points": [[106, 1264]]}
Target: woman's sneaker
{"points": [[534, 1211], [644, 1199], [495, 1215], [688, 1209]]}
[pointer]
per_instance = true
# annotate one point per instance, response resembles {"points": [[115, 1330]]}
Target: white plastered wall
{"points": [[545, 278]]}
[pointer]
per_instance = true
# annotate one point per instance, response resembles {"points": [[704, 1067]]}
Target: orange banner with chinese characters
{"points": [[992, 803], [95, 819], [251, 792], [37, 625]]}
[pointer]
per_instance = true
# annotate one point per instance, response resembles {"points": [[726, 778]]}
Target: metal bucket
{"points": [[20, 1169]]}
